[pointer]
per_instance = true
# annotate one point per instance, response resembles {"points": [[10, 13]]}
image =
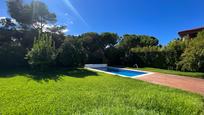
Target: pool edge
{"points": [[133, 77]]}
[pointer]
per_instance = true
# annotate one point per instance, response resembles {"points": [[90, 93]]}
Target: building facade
{"points": [[189, 34]]}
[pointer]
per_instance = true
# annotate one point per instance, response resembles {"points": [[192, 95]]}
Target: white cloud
{"points": [[65, 30], [17, 25], [2, 18], [47, 26], [12, 20]]}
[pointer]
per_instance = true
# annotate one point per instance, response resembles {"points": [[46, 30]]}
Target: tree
{"points": [[93, 47], [20, 12], [173, 52], [129, 41], [34, 15], [91, 41], [132, 41], [193, 57], [19, 31], [12, 51], [71, 53], [109, 39], [12, 55], [43, 52], [114, 56], [148, 41], [41, 14]]}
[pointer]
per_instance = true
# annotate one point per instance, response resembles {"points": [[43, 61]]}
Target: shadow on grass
{"points": [[51, 74]]}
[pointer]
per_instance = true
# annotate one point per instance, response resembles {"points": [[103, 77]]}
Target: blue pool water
{"points": [[120, 71]]}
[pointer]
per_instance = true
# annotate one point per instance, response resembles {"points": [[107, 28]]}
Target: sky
{"points": [[162, 19]]}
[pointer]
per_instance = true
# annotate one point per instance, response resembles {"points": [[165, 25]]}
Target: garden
{"points": [[41, 68]]}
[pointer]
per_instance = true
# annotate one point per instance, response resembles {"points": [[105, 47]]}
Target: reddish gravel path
{"points": [[185, 83]]}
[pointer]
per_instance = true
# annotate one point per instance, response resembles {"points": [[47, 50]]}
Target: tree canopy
{"points": [[53, 47], [35, 14], [43, 53], [193, 57], [131, 41]]}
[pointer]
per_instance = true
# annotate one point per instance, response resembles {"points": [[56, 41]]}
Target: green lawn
{"points": [[190, 74], [79, 91]]}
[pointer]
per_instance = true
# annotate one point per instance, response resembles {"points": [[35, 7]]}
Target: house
{"points": [[190, 33]]}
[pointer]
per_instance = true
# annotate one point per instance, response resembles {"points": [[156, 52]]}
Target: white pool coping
{"points": [[146, 72]]}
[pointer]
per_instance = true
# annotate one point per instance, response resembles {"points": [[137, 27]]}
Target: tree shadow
{"points": [[50, 74]]}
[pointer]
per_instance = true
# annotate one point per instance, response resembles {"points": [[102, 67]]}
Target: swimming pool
{"points": [[120, 71]]}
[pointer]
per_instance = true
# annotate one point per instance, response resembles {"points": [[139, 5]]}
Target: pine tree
{"points": [[43, 52]]}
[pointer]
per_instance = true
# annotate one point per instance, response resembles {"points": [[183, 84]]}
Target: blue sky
{"points": [[160, 18]]}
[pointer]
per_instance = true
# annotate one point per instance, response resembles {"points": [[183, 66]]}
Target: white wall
{"points": [[95, 65]]}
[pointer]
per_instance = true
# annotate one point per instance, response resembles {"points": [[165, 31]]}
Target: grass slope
{"points": [[190, 74], [80, 91]]}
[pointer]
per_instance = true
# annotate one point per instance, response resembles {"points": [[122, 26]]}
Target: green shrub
{"points": [[43, 52], [193, 57], [148, 56], [114, 56], [12, 55], [71, 54], [173, 52]]}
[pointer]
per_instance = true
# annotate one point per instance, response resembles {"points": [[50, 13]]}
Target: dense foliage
{"points": [[43, 52], [193, 57], [71, 54], [173, 52], [148, 56], [132, 41], [35, 14], [94, 45], [53, 47]]}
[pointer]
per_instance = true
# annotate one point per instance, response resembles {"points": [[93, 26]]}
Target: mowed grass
{"points": [[79, 91], [189, 74]]}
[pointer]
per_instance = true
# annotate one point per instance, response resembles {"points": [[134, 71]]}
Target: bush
{"points": [[193, 57], [12, 49], [12, 55], [114, 56], [71, 54], [43, 52], [173, 52], [148, 56], [134, 41]]}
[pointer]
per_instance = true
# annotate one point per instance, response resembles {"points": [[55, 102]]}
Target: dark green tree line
{"points": [[53, 48]]}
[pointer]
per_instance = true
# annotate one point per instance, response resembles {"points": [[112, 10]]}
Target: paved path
{"points": [[185, 83]]}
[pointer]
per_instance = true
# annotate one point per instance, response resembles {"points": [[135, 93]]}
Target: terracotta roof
{"points": [[195, 29], [190, 31]]}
